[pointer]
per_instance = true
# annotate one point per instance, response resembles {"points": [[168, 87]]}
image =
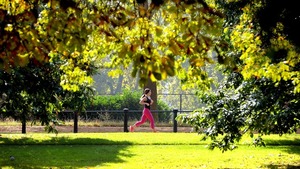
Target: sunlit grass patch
{"points": [[146, 150]]}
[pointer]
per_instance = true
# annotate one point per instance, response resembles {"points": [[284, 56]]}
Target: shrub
{"points": [[127, 99]]}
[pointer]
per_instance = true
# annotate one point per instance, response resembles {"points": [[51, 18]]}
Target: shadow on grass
{"points": [[292, 147], [283, 166], [283, 142], [61, 152]]}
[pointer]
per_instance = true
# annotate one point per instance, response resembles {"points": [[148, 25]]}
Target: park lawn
{"points": [[141, 150]]}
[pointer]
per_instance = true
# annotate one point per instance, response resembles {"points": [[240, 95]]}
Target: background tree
{"points": [[30, 94], [44, 46], [173, 93], [113, 84], [156, 39]]}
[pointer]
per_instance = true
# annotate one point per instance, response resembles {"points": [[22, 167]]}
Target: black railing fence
{"points": [[125, 115]]}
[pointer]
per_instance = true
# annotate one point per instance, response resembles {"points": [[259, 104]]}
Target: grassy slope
{"points": [[141, 150]]}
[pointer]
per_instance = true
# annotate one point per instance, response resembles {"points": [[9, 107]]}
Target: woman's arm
{"points": [[143, 101], [151, 102]]}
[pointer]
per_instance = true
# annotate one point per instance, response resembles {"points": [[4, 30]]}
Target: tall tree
{"points": [[157, 38], [154, 37], [153, 86], [262, 88], [31, 94]]}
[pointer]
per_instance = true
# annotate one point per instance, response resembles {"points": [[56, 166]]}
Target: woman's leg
{"points": [[146, 115], [149, 116], [138, 123], [142, 120]]}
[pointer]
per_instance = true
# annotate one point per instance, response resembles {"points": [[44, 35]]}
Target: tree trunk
{"points": [[137, 84], [23, 123], [23, 127], [76, 122], [111, 87], [120, 83], [153, 86]]}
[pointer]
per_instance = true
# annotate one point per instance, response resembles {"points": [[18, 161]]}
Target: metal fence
{"points": [[182, 101], [118, 118], [125, 115]]}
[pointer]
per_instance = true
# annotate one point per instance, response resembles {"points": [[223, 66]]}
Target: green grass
{"points": [[141, 150]]}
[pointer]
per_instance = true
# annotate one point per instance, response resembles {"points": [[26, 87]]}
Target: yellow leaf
{"points": [[114, 73], [159, 31], [142, 11], [174, 48]]}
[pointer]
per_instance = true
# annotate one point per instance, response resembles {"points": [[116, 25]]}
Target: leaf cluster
{"points": [[246, 106], [33, 93], [43, 31], [259, 45], [30, 92]]}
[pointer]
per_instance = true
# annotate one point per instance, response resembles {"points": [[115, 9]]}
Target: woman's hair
{"points": [[146, 91]]}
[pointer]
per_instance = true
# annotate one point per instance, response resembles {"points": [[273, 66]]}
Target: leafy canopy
{"points": [[265, 35], [155, 37]]}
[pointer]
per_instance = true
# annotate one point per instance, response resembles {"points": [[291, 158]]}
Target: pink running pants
{"points": [[146, 115]]}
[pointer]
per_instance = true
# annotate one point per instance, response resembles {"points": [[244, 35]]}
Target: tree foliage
{"points": [[157, 40], [45, 61], [242, 107], [155, 37], [30, 93], [266, 46], [40, 31], [261, 91]]}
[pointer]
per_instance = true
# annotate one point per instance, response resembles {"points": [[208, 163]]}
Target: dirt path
{"points": [[91, 129], [86, 129]]}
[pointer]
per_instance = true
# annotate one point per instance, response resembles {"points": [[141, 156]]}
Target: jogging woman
{"points": [[147, 115]]}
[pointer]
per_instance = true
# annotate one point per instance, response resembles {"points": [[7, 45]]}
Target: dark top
{"points": [[147, 101]]}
